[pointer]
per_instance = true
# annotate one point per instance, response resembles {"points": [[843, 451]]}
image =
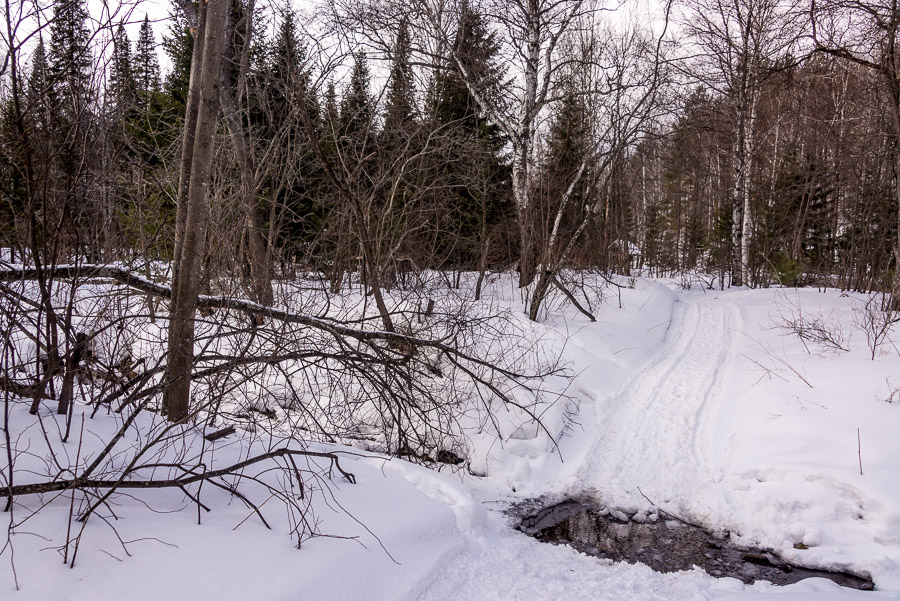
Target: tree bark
{"points": [[747, 213], [892, 81], [193, 210], [895, 282]]}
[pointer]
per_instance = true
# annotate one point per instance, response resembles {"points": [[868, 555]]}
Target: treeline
{"points": [[822, 182], [537, 136], [328, 175]]}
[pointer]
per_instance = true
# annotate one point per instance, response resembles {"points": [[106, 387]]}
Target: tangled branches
{"points": [[311, 369]]}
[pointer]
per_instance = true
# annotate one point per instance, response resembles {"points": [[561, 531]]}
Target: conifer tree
{"points": [[331, 118], [69, 56], [400, 111], [285, 77], [567, 147], [122, 84], [357, 106], [477, 49], [146, 64], [73, 147], [330, 121], [472, 162], [38, 88], [179, 46], [285, 83]]}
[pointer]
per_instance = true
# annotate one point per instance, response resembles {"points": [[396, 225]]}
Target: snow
{"points": [[158, 549], [702, 404]]}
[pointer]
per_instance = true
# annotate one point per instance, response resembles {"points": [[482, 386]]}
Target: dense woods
{"points": [[754, 142], [285, 218], [754, 139], [374, 146]]}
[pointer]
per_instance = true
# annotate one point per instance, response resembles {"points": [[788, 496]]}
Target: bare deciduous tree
{"points": [[193, 199], [867, 33], [740, 41]]}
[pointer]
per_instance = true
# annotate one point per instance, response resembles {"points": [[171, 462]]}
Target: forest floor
{"points": [[704, 405]]}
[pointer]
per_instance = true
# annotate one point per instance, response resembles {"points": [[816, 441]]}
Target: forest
{"points": [[754, 140], [287, 219]]}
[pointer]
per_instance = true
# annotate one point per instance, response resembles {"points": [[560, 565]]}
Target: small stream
{"points": [[663, 543]]}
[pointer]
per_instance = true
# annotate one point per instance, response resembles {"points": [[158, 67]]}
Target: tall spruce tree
{"points": [[285, 83], [472, 162], [330, 121], [74, 197], [331, 117], [567, 146], [401, 102], [357, 106], [146, 65], [121, 77], [179, 46], [37, 89], [70, 56], [478, 50], [285, 78]]}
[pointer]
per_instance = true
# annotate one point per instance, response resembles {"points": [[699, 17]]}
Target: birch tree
{"points": [[533, 30], [739, 41], [867, 33]]}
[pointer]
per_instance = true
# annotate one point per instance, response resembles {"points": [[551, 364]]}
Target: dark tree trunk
{"points": [[193, 208]]}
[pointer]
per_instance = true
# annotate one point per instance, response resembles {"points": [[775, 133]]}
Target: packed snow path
{"points": [[655, 440]]}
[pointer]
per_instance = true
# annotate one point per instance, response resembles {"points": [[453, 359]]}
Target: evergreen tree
{"points": [[795, 229], [332, 114], [357, 108], [146, 64], [284, 82], [471, 162], [477, 49], [450, 99], [38, 88], [400, 112], [330, 121], [12, 185], [70, 58], [179, 45], [567, 147], [285, 78], [121, 78], [74, 149]]}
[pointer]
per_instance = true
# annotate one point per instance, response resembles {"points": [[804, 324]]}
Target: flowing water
{"points": [[662, 542]]}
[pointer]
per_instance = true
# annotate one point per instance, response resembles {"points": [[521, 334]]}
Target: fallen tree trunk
{"points": [[82, 483]]}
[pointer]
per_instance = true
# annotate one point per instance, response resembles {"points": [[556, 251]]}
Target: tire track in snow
{"points": [[658, 433]]}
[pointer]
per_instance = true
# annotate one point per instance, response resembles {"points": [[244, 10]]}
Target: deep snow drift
{"points": [[706, 405]]}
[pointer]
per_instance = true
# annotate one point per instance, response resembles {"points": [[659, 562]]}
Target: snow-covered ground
{"points": [[704, 404]]}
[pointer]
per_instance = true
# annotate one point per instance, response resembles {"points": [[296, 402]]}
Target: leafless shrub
{"points": [[893, 391], [691, 279], [876, 319], [314, 370], [824, 330], [782, 367]]}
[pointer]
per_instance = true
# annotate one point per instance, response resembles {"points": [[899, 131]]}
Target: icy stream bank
{"points": [[665, 544]]}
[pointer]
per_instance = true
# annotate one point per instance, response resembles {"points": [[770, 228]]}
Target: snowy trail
{"points": [[666, 432], [657, 436]]}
